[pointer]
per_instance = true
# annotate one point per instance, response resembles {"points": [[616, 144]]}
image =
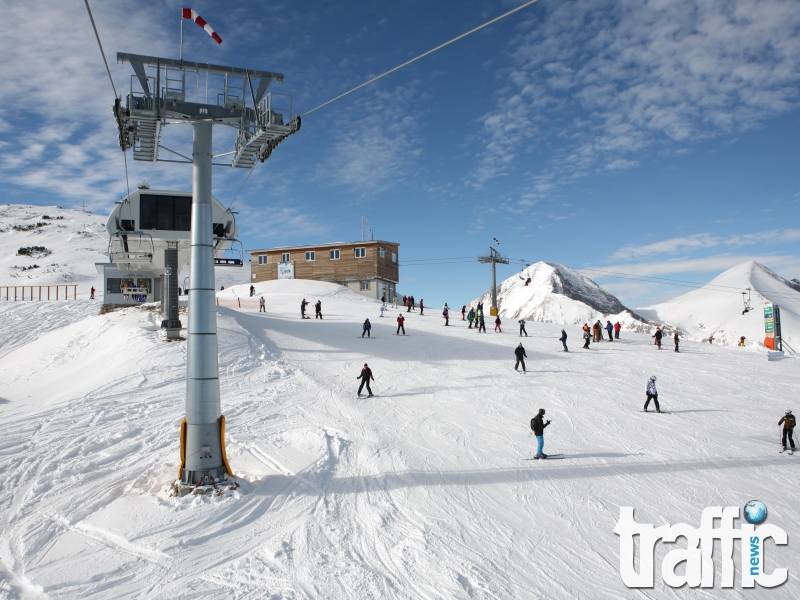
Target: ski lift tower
{"points": [[493, 257], [165, 92]]}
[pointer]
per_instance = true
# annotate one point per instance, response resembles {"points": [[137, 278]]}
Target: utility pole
{"points": [[363, 229], [493, 257]]}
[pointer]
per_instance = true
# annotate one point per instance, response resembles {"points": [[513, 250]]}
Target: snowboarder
{"points": [[617, 327], [366, 375], [421, 307], [652, 394], [563, 339], [383, 308], [471, 317], [446, 315], [262, 306], [586, 336], [91, 295], [609, 329], [497, 325], [252, 290], [464, 313], [519, 352], [788, 422], [522, 328], [658, 335], [400, 320], [303, 305], [676, 339], [318, 310], [367, 327], [741, 341], [481, 323], [537, 426]]}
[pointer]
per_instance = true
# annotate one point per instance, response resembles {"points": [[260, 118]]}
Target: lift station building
{"points": [[369, 267]]}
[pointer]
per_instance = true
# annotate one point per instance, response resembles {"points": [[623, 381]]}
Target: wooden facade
{"points": [[370, 267]]}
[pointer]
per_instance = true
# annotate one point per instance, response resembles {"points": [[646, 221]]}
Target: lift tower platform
{"points": [[166, 92]]}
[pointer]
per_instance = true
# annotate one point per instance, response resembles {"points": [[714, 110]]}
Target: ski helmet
{"points": [[788, 412], [653, 378]]}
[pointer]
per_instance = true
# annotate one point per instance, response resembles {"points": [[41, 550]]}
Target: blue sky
{"points": [[655, 138]]}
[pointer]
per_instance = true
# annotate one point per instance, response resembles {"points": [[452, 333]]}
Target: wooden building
{"points": [[370, 267]]}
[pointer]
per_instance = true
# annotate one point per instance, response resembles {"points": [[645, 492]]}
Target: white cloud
{"points": [[615, 79]]}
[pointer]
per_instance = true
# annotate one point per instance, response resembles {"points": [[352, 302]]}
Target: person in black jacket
{"points": [[537, 426], [366, 375], [788, 422], [519, 352]]}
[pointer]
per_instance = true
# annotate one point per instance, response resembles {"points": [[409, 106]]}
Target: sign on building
{"points": [[285, 270], [772, 327]]}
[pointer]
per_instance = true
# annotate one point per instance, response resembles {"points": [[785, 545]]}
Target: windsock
{"points": [[496, 240], [190, 13]]}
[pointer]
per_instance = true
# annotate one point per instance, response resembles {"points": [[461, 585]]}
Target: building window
{"points": [[364, 284], [285, 257], [382, 252], [394, 257], [262, 259], [170, 213], [311, 256], [335, 254], [361, 252]]}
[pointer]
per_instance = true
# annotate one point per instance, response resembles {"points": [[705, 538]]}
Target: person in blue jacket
{"points": [[367, 328], [610, 330], [563, 339]]}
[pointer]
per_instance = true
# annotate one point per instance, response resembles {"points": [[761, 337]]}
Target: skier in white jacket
{"points": [[652, 394]]}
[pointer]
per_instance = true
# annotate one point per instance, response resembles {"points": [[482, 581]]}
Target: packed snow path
{"points": [[419, 492]]}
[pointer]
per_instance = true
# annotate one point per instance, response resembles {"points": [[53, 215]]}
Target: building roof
{"points": [[329, 245]]}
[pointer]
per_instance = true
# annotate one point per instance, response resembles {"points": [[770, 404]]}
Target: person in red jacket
{"points": [[400, 320], [421, 307], [617, 327]]}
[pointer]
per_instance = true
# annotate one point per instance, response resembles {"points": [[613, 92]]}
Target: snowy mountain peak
{"points": [[556, 294]]}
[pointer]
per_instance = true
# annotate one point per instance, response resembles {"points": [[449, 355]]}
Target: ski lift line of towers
{"points": [[493, 258], [164, 92]]}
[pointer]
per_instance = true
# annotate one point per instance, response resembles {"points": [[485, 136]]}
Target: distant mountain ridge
{"points": [[558, 294]]}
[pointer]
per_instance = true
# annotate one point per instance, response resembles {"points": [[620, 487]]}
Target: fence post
{"points": [[240, 302]]}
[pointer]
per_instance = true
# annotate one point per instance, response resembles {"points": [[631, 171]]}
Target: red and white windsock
{"points": [[190, 13]]}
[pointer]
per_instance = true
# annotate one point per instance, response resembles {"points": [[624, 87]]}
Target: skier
{"points": [[383, 299], [522, 328], [262, 306], [91, 295], [537, 426], [609, 330], [252, 290], [394, 301], [711, 339], [586, 336], [519, 352], [497, 325], [408, 304], [303, 305], [383, 308], [366, 375], [446, 315], [652, 394], [563, 339], [596, 332], [471, 317], [445, 306], [464, 313], [788, 422], [658, 335], [400, 319], [527, 281], [676, 339], [617, 327], [481, 323], [421, 307], [318, 310], [367, 327], [741, 341]]}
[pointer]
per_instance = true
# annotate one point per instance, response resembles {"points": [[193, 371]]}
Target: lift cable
{"points": [[97, 35], [424, 54]]}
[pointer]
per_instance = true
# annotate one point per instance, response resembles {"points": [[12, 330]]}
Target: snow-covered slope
{"points": [[558, 294], [420, 492], [73, 241], [716, 309]]}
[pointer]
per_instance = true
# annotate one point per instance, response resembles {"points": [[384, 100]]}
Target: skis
{"points": [[656, 412], [549, 456]]}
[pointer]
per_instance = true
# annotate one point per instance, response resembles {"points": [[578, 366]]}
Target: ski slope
{"points": [[420, 492], [716, 309]]}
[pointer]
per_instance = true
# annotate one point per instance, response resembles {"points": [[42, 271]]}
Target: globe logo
{"points": [[755, 512]]}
